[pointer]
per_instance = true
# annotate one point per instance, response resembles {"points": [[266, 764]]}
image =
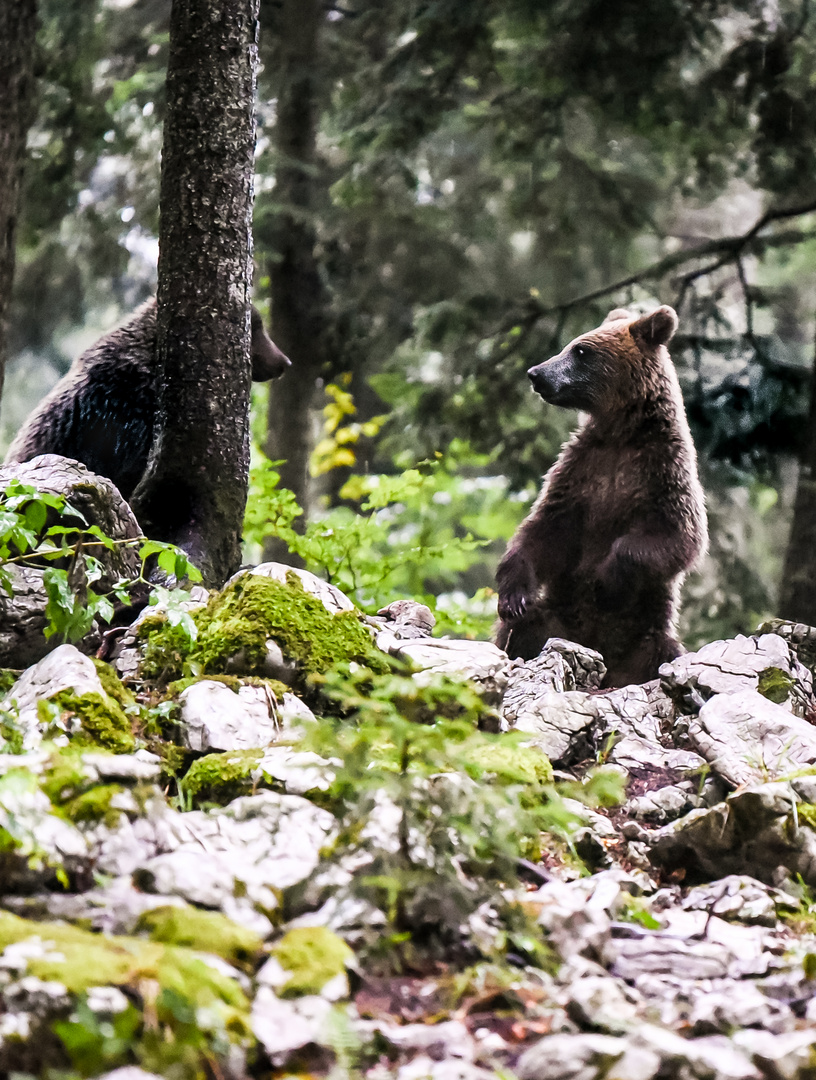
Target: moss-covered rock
{"points": [[179, 982], [234, 682], [510, 763], [207, 931], [64, 775], [222, 777], [95, 805], [312, 955], [775, 684], [240, 620], [101, 718]]}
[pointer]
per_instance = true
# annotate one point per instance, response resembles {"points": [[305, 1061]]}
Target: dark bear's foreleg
{"points": [[517, 585]]}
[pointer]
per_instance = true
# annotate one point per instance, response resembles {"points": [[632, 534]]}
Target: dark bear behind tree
{"points": [[621, 515], [101, 413]]}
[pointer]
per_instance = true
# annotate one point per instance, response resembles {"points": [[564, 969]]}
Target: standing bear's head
{"points": [[612, 366]]}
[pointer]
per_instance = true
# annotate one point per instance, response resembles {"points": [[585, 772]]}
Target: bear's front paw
{"points": [[513, 605]]}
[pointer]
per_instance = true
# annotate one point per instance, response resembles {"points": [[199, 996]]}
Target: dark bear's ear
{"points": [[618, 313], [657, 328]]}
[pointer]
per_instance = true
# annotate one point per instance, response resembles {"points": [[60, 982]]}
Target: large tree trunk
{"points": [[298, 295], [194, 490], [797, 593], [18, 25]]}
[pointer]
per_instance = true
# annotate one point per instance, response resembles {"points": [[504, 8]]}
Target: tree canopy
{"points": [[446, 193]]}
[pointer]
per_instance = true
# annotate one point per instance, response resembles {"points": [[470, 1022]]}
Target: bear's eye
{"points": [[582, 352]]}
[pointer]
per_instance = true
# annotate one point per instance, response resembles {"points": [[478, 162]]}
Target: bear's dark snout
{"points": [[550, 380]]}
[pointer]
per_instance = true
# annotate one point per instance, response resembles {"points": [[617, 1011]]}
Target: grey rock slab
{"points": [[298, 771], [748, 739], [727, 667], [407, 619], [480, 661], [577, 915], [738, 897], [449, 1039], [631, 958], [754, 831], [737, 1004], [713, 1057], [602, 1002], [63, 669], [787, 1056], [560, 725], [627, 724], [141, 766], [215, 717], [129, 1072], [114, 908], [42, 841], [571, 1057], [424, 1067], [587, 665], [283, 1025], [665, 803], [256, 846]]}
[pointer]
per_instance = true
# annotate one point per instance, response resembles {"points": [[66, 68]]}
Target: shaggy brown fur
{"points": [[621, 516], [101, 413]]}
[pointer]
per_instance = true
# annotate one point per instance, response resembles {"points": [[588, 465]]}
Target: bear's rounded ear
{"points": [[618, 313], [657, 328]]}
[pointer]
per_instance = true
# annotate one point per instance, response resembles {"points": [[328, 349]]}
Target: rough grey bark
{"points": [[18, 25], [797, 593], [194, 491], [298, 294]]}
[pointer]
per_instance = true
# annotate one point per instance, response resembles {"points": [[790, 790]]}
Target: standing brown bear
{"points": [[101, 413], [621, 516]]}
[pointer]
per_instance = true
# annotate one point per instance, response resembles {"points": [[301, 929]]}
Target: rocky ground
{"points": [[221, 858]]}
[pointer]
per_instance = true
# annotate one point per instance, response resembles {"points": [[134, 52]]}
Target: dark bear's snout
{"points": [[551, 380]]}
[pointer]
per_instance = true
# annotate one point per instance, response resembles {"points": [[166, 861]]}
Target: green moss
{"points": [[234, 682], [103, 722], [64, 775], [775, 684], [79, 960], [221, 777], [313, 955], [806, 814], [113, 685], [166, 648], [94, 805], [241, 619], [207, 931], [510, 763], [174, 758], [8, 678]]}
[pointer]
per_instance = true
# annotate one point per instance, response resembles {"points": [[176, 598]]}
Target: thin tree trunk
{"points": [[298, 295], [18, 26], [194, 490], [797, 594]]}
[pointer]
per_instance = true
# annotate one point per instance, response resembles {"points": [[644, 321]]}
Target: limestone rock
{"points": [[215, 717], [22, 615], [63, 669], [749, 739], [726, 667]]}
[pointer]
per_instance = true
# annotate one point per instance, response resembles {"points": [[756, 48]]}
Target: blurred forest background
{"points": [[446, 193]]}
